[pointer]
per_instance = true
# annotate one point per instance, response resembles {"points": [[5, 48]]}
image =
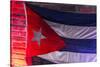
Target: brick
{"points": [[19, 62], [20, 44], [18, 38], [16, 28], [18, 33], [18, 56], [19, 51]]}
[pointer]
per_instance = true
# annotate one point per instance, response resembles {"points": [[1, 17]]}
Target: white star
{"points": [[38, 36]]}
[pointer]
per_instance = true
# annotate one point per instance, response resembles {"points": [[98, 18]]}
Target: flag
{"points": [[77, 30]]}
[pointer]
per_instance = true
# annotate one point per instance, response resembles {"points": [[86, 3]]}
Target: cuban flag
{"points": [[77, 30]]}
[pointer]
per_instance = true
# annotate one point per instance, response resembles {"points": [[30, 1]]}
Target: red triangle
{"points": [[51, 43]]}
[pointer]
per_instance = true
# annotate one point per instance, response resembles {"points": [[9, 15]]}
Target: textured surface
{"points": [[18, 34]]}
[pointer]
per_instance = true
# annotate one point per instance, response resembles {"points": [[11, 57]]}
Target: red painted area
{"points": [[18, 33], [51, 43]]}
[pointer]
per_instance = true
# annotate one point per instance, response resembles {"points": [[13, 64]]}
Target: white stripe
{"points": [[74, 32], [68, 57]]}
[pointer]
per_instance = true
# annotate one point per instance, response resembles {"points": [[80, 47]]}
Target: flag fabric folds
{"points": [[77, 30], [67, 18], [68, 57], [80, 39]]}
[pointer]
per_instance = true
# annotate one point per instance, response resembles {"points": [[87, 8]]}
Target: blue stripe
{"points": [[40, 61], [80, 45], [66, 18]]}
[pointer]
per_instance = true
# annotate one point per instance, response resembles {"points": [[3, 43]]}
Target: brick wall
{"points": [[18, 34]]}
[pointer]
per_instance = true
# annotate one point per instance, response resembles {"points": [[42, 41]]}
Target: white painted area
{"points": [[4, 33]]}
